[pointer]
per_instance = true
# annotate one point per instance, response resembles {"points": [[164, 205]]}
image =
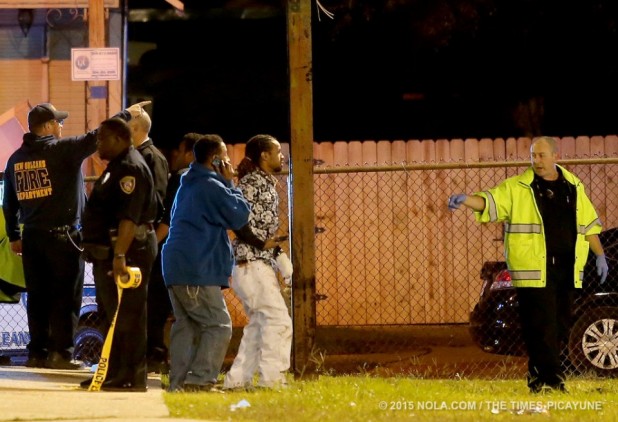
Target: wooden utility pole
{"points": [[97, 95], [96, 91], [301, 152]]}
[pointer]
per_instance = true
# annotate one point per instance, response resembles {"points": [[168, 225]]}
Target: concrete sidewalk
{"points": [[47, 394]]}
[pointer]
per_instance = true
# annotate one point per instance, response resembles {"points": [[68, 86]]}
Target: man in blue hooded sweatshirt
{"points": [[197, 261]]}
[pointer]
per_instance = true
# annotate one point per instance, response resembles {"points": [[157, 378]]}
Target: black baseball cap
{"points": [[45, 112]]}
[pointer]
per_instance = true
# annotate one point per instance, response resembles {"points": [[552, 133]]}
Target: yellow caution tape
{"points": [[130, 281]]}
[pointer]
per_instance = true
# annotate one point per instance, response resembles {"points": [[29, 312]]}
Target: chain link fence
{"points": [[15, 335], [406, 286]]}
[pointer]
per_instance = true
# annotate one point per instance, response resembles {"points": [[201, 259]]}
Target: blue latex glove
{"points": [[602, 268], [455, 201]]}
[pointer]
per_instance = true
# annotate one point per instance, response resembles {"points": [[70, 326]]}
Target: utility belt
{"points": [[59, 232], [103, 252], [68, 233], [96, 252], [141, 232]]}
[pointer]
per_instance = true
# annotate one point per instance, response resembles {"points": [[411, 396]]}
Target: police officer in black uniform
{"points": [[119, 216], [44, 190]]}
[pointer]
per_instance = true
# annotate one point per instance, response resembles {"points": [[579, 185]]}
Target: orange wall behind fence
{"points": [[432, 275]]}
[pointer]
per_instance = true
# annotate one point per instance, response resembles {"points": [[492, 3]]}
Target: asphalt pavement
{"points": [[32, 394]]}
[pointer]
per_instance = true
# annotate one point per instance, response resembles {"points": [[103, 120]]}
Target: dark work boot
{"points": [[115, 384]]}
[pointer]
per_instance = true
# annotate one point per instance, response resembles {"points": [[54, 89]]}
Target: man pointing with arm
{"points": [[550, 224]]}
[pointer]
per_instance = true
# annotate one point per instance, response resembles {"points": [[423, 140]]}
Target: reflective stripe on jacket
{"points": [[513, 202]]}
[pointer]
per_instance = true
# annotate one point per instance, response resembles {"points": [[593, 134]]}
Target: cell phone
{"points": [[216, 162]]}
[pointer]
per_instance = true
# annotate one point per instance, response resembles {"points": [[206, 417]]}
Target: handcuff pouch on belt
{"points": [[63, 232]]}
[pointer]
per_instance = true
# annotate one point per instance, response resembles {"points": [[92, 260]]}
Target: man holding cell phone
{"points": [[197, 261]]}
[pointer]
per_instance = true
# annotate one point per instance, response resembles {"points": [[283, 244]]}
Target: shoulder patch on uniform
{"points": [[127, 184]]}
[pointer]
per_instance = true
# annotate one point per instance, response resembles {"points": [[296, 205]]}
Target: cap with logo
{"points": [[45, 112]]}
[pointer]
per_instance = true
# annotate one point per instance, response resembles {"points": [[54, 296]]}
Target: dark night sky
{"points": [[389, 70]]}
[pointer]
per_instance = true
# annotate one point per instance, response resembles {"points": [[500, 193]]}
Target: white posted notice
{"points": [[95, 64]]}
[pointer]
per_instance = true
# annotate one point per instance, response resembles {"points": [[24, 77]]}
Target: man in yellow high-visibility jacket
{"points": [[550, 224]]}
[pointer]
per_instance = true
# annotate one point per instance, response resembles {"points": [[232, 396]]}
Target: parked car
{"points": [[593, 339], [14, 333]]}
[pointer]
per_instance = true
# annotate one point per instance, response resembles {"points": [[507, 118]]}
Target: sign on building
{"points": [[95, 64]]}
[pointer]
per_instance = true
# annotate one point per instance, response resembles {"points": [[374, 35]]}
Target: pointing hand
{"points": [[138, 108], [455, 201]]}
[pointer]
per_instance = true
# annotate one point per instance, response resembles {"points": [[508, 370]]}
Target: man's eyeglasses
{"points": [[60, 121]]}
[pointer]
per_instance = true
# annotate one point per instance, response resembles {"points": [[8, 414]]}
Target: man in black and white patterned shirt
{"points": [[267, 338]]}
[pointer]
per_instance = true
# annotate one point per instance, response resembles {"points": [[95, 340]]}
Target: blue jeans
{"points": [[199, 336]]}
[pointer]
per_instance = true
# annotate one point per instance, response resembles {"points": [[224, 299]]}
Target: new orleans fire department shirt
{"points": [[43, 182]]}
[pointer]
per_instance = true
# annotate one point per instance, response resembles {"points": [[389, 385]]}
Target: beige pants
{"points": [[267, 338]]}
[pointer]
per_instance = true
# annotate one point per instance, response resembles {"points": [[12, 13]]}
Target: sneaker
{"points": [[57, 361]]}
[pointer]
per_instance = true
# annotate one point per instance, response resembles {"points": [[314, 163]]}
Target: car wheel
{"points": [[88, 345], [593, 343]]}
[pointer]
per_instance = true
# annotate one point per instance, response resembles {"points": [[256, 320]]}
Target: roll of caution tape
{"points": [[131, 280]]}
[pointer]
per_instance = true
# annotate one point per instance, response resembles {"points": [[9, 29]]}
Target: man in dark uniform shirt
{"points": [[119, 215], [158, 300], [156, 161], [44, 190]]}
